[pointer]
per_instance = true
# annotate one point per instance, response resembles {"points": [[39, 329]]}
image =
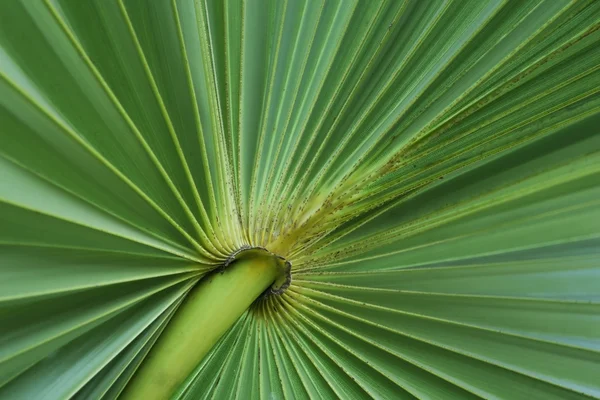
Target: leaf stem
{"points": [[210, 309]]}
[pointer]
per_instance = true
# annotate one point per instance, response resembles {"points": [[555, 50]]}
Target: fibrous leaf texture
{"points": [[431, 169]]}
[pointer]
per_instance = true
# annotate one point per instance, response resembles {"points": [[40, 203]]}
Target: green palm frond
{"points": [[430, 169]]}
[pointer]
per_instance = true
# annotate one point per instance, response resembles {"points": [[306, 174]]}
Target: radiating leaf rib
{"points": [[193, 217], [492, 41], [335, 375], [211, 50], [68, 40], [331, 33], [505, 275], [90, 352], [294, 70], [535, 360], [357, 188], [548, 169], [373, 381], [310, 391], [190, 45], [147, 148], [248, 378], [294, 20], [208, 372], [27, 191], [43, 335], [291, 385], [314, 380], [69, 130], [28, 228], [253, 34], [5, 161], [43, 271], [278, 35], [160, 63], [111, 380], [550, 9], [572, 328], [62, 162], [413, 43], [372, 18], [368, 74], [466, 373], [225, 385], [554, 32], [401, 369], [333, 385], [270, 381], [425, 56]]}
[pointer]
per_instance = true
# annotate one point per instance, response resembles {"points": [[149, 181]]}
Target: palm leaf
{"points": [[429, 168]]}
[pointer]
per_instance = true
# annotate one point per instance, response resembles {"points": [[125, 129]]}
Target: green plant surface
{"points": [[208, 311], [430, 169]]}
